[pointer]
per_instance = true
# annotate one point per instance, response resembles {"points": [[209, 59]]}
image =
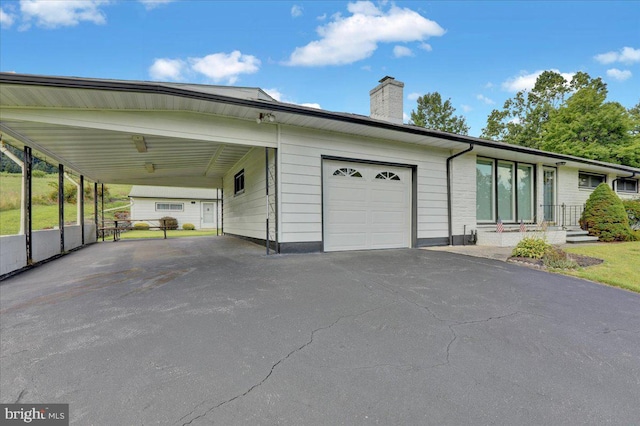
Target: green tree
{"points": [[432, 113], [605, 216], [589, 127], [521, 119]]}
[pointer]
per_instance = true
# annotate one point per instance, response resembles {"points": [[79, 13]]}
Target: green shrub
{"points": [[169, 222], [632, 208], [604, 216], [532, 247], [141, 226], [38, 173], [558, 259], [188, 227]]}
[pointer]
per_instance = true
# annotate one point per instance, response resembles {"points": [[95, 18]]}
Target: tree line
{"points": [[555, 115], [7, 165]]}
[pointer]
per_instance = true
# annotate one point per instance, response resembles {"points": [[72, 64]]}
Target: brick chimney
{"points": [[386, 100]]}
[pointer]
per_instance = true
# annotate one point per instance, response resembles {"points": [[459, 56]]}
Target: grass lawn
{"points": [[44, 208], [178, 233], [621, 267]]}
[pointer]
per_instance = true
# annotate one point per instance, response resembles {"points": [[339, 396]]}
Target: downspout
{"points": [[449, 213]]}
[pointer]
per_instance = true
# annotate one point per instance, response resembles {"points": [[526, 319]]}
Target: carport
{"points": [[117, 132]]}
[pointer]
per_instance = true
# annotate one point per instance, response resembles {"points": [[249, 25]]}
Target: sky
{"points": [[329, 54]]}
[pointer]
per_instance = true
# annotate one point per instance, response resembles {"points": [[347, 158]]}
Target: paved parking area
{"points": [[211, 331]]}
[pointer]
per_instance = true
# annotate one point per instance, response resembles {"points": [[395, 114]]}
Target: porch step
{"points": [[581, 239], [576, 232]]}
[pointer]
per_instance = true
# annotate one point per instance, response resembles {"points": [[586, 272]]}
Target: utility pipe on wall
{"points": [[449, 212]]}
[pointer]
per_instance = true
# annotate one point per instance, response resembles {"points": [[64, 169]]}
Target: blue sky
{"points": [[330, 53]]}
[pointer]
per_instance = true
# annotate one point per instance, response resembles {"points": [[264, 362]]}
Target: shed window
{"points": [[387, 176], [169, 207], [627, 185], [346, 171], [238, 182], [589, 180]]}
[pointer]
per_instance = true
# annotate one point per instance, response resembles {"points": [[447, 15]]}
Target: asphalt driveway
{"points": [[211, 331]]}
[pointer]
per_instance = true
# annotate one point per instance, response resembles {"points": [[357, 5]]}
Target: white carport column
{"points": [[271, 195]]}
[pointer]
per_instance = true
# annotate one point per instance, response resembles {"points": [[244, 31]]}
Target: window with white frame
{"points": [[590, 180], [626, 185], [169, 207]]}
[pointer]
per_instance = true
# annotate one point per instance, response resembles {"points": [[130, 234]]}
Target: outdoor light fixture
{"points": [[561, 163], [139, 142], [150, 167], [265, 117]]}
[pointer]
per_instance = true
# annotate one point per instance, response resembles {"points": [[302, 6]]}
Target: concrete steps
{"points": [[579, 236]]}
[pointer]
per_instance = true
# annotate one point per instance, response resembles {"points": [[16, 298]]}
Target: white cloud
{"points": [[426, 46], [6, 19], [489, 85], [527, 81], [152, 4], [400, 51], [167, 69], [413, 96], [484, 99], [626, 55], [345, 40], [620, 75], [405, 117], [322, 17], [221, 67], [466, 108], [61, 13], [296, 10]]}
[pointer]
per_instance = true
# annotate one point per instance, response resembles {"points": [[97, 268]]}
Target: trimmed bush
{"points": [[141, 226], [171, 223], [188, 227], [605, 216], [633, 212], [531, 247]]}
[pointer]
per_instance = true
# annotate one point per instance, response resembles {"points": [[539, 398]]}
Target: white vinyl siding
{"points": [[145, 208], [245, 214], [301, 182]]}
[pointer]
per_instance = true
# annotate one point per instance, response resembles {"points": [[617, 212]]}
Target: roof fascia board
{"points": [[148, 87]]}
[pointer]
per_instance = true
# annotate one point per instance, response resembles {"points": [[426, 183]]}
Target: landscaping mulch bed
{"points": [[582, 261]]}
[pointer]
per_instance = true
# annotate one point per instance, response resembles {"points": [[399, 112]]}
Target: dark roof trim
{"points": [[161, 89]]}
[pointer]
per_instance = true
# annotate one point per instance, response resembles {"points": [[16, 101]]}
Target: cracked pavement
{"points": [[210, 331]]}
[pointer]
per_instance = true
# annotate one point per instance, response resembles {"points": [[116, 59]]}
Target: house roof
{"points": [[87, 124], [172, 192]]}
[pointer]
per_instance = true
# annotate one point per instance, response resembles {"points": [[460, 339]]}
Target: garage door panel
{"points": [[366, 206]]}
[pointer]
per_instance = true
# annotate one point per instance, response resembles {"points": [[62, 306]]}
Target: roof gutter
{"points": [[449, 212]]}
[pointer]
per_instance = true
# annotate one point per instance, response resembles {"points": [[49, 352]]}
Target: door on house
{"points": [[549, 194], [208, 215]]}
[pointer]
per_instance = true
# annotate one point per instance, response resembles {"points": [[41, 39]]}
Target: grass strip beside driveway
{"points": [[134, 235], [621, 267]]}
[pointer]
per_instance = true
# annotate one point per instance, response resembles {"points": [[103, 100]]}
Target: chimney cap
{"points": [[385, 78]]}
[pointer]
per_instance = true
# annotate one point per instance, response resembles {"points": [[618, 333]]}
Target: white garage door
{"points": [[366, 206]]}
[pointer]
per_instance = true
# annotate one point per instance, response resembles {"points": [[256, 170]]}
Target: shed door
{"points": [[208, 215], [366, 206]]}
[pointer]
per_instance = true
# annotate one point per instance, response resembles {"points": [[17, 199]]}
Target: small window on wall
{"points": [[387, 176], [627, 185], [589, 180], [347, 172], [238, 182], [169, 207]]}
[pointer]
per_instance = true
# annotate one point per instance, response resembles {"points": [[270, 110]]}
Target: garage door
{"points": [[366, 206]]}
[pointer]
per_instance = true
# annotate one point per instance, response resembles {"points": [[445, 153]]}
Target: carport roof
{"points": [[194, 133]]}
